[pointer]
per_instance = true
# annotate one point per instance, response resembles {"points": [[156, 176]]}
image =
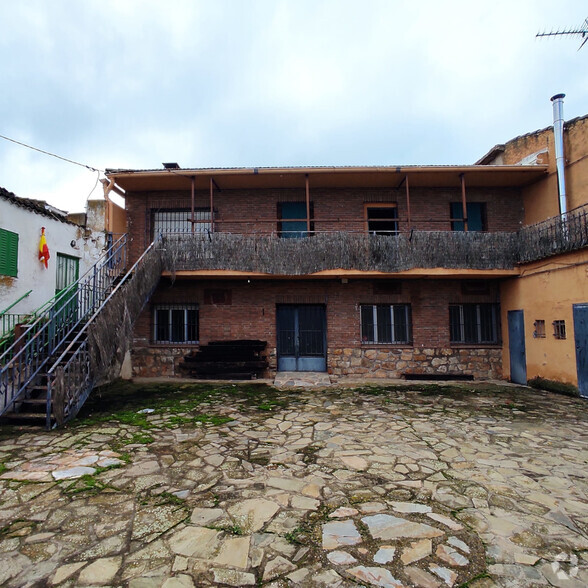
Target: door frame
{"points": [[581, 345], [297, 362], [517, 353]]}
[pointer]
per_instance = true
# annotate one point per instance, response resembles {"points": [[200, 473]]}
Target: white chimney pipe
{"points": [[558, 126]]}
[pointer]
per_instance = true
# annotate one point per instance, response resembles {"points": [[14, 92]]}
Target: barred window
{"points": [[168, 222], [386, 323], [474, 323], [559, 329], [175, 323]]}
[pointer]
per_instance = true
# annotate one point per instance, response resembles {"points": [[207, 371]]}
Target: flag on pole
{"points": [[43, 249]]}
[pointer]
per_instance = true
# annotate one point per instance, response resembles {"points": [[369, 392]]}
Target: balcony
{"points": [[266, 254], [362, 252], [559, 234]]}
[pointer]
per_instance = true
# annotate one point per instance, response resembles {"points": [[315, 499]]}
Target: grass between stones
{"points": [[176, 404]]}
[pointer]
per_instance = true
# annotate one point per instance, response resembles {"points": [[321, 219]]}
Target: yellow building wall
{"points": [[541, 200], [546, 290], [117, 218]]}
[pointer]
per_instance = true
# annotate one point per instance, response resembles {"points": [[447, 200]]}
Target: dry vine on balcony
{"points": [[329, 251]]}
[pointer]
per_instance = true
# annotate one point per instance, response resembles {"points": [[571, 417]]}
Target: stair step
{"points": [[34, 401], [24, 416]]}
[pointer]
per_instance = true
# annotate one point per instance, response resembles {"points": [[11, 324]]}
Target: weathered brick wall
{"points": [[255, 211], [252, 315]]}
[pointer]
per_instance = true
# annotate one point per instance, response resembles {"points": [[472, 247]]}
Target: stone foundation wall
{"points": [[481, 363], [153, 362], [164, 361]]}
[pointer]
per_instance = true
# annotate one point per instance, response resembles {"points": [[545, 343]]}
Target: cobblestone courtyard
{"points": [[248, 485]]}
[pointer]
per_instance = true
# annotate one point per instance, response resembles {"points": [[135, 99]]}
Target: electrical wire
{"points": [[52, 154], [92, 190]]}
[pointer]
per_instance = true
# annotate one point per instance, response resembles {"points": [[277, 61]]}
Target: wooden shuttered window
{"points": [[8, 253]]}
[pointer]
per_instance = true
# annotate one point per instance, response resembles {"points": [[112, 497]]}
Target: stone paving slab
{"points": [[327, 488]]}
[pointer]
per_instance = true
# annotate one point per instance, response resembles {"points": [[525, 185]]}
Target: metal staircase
{"points": [[54, 362]]}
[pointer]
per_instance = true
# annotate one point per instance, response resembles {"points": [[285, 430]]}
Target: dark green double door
{"points": [[301, 338], [67, 274]]}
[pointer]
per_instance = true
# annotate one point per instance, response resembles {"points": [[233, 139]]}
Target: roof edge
{"points": [[36, 206], [567, 123]]}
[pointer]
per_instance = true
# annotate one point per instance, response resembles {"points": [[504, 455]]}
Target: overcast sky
{"points": [[134, 83]]}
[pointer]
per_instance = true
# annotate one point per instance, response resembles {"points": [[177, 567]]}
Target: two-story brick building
{"points": [[375, 271], [366, 271]]}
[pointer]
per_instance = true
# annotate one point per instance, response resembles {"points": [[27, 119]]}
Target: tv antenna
{"points": [[581, 31]]}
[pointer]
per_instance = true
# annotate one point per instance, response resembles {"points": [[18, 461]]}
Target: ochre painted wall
{"points": [[547, 290], [541, 199]]}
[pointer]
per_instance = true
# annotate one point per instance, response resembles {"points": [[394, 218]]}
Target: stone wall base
{"points": [[481, 363], [164, 361]]}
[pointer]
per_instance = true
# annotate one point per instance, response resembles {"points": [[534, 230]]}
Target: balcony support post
{"points": [[211, 205], [192, 218], [409, 220], [464, 205], [307, 186]]}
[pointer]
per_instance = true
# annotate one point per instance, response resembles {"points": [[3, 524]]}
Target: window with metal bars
{"points": [[169, 222], [474, 323], [175, 323], [386, 323], [559, 329]]}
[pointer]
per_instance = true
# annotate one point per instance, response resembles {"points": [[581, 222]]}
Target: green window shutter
{"points": [[8, 253]]}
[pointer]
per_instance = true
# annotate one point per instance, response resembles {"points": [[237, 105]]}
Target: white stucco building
{"points": [[73, 250]]}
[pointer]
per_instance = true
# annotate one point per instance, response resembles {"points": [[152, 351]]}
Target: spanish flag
{"points": [[43, 249]]}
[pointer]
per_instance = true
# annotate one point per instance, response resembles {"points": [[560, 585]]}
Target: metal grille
{"points": [[474, 323], [175, 323], [168, 222], [67, 271], [385, 323]]}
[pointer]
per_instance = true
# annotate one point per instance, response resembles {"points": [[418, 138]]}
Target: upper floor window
{"points": [[292, 222], [476, 212], [175, 323], [180, 221], [8, 253], [381, 218], [385, 323], [474, 323]]}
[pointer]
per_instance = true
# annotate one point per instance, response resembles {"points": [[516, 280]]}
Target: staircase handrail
{"points": [[79, 343], [41, 312], [23, 361], [2, 313]]}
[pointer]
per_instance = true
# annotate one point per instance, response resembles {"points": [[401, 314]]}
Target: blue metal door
{"points": [[581, 339], [516, 347], [301, 338]]}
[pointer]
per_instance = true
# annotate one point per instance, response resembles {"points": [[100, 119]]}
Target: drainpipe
{"points": [[108, 186], [558, 127]]}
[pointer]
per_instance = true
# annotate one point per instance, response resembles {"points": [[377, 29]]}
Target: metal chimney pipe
{"points": [[558, 126]]}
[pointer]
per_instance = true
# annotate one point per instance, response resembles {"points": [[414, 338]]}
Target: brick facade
{"points": [[249, 308], [256, 211], [251, 314]]}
